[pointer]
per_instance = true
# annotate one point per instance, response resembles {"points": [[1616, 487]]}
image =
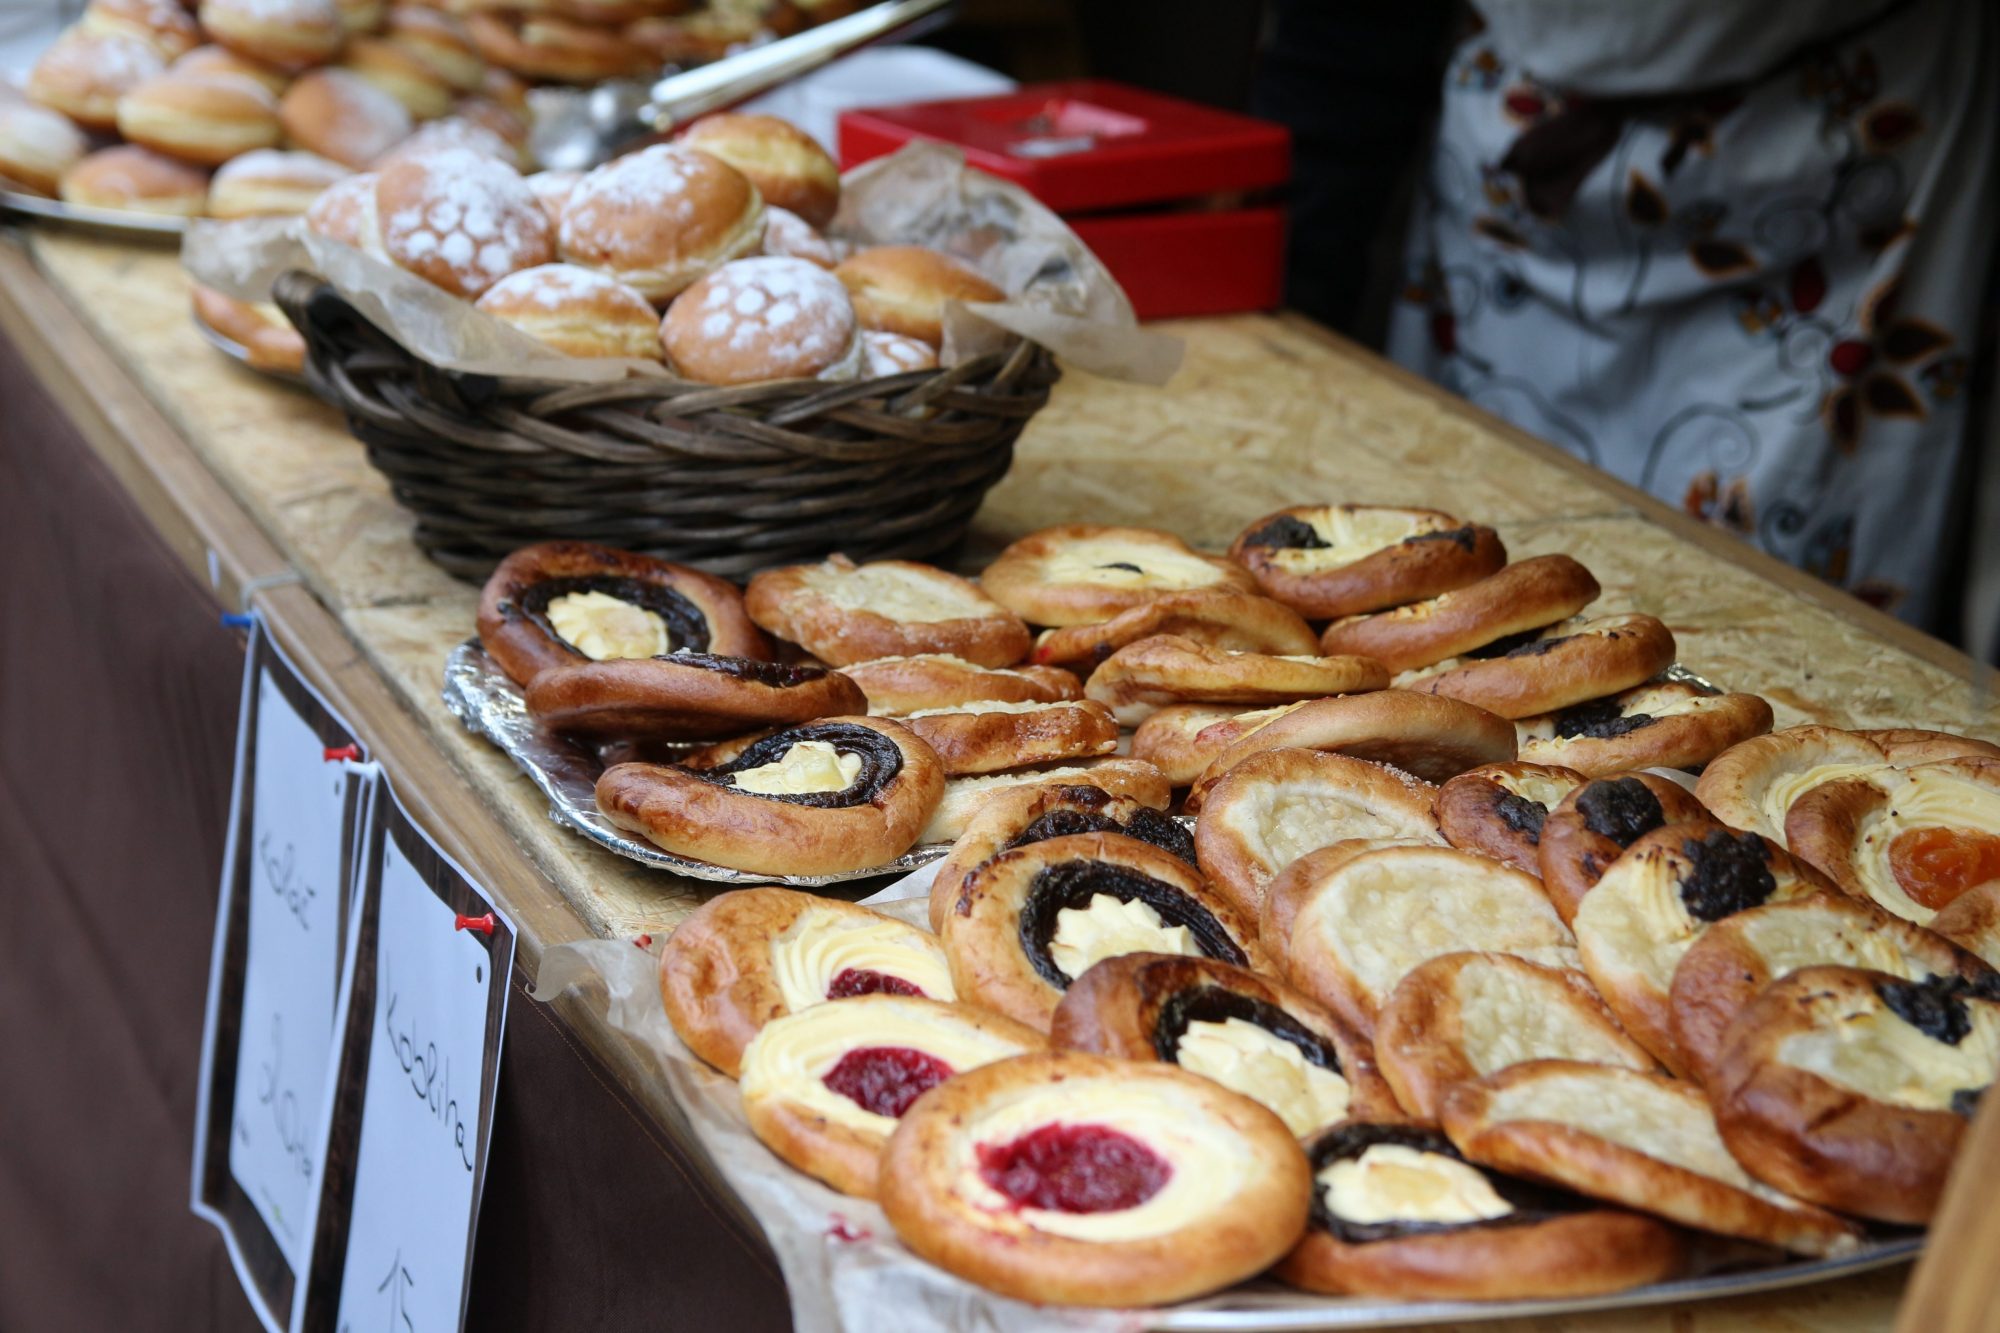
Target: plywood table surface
{"points": [[1267, 411]]}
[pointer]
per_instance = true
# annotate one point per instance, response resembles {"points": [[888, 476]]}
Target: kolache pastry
{"points": [[1018, 816], [1852, 1089], [1462, 1016], [1328, 561], [764, 318], [1075, 1179], [1666, 724], [561, 603], [206, 121], [1570, 663], [137, 179], [1732, 962], [1348, 922], [904, 289], [575, 311], [1591, 827], [899, 686], [837, 794], [788, 234], [786, 164], [37, 146], [1499, 810], [1167, 669], [1911, 839], [1250, 1034], [84, 74], [1274, 807], [289, 34], [1427, 737], [823, 1087], [841, 612], [268, 340], [991, 736], [1085, 574], [1477, 620], [613, 220], [685, 696], [1641, 1140], [746, 957], [965, 798], [271, 183], [340, 115], [1032, 920], [460, 220], [1223, 618], [1752, 785], [1399, 1212], [1183, 739], [1656, 899]]}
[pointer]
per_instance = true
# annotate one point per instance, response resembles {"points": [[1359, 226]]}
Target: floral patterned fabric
{"points": [[1754, 301]]}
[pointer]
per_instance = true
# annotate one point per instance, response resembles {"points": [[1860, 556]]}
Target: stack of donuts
{"points": [[589, 41], [1403, 1013]]}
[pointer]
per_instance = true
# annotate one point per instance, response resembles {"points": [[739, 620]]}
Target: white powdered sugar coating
{"points": [[290, 13], [662, 182], [453, 132], [277, 164], [358, 121], [789, 235], [109, 62], [552, 286], [45, 136], [553, 189], [460, 219], [783, 316], [345, 212], [885, 353]]}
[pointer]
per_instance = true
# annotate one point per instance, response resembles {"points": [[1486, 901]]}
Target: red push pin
{"points": [[350, 752], [483, 924]]}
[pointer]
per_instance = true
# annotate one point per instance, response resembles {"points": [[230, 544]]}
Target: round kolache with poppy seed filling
{"points": [[1593, 825], [1499, 810], [1663, 724], [1249, 1033], [1481, 619], [841, 793], [1567, 664], [1398, 1211], [1327, 561], [561, 603], [1085, 574], [686, 696], [965, 798], [841, 612], [1032, 920]]}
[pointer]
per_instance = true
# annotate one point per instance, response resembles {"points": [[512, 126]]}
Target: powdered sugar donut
{"points": [[660, 218], [338, 114], [84, 74], [291, 34], [894, 354], [788, 234], [460, 220], [454, 132], [345, 212], [766, 318], [576, 311], [553, 189], [164, 25], [271, 183], [37, 146]]}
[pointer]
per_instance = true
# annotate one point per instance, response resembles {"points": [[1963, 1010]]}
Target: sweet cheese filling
{"points": [[1653, 703], [809, 766], [994, 706], [1546, 792], [1808, 935], [813, 954], [906, 595], [1288, 819], [1350, 535], [1507, 1016], [1638, 921], [1263, 1066], [602, 627], [1776, 800], [1110, 563], [1110, 927], [1390, 1182], [1867, 1048]]}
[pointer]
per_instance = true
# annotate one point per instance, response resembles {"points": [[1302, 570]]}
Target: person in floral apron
{"points": [[1733, 253]]}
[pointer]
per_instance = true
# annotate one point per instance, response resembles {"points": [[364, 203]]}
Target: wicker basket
{"points": [[732, 479]]}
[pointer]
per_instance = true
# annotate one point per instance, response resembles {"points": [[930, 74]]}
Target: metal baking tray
{"points": [[151, 226]]}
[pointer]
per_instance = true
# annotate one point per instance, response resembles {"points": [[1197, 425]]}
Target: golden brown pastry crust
{"points": [[1738, 956], [690, 815], [1421, 1038], [1167, 669], [546, 47], [611, 220], [1426, 736], [983, 930], [965, 798], [1440, 554], [786, 164], [899, 686], [1051, 810], [128, 176], [1525, 596], [1826, 1142], [1173, 739], [903, 289], [266, 343], [686, 696], [37, 145], [206, 121], [1834, 826], [523, 643], [785, 602], [290, 36], [992, 742], [1021, 579], [1579, 844], [1226, 618], [1252, 1221], [1116, 1009], [1498, 810], [1577, 1251], [1736, 783], [847, 1156], [716, 975], [341, 116], [576, 311], [760, 318], [1573, 1156], [1308, 799], [1592, 737], [1566, 666], [83, 74], [1972, 922]]}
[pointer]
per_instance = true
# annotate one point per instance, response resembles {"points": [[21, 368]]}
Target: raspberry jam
{"points": [[1936, 865], [852, 981], [1074, 1169], [886, 1079]]}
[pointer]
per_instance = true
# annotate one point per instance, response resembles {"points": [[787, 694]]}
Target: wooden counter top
{"points": [[1267, 411]]}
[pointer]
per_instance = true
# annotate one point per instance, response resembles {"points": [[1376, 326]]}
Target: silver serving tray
{"points": [[123, 221]]}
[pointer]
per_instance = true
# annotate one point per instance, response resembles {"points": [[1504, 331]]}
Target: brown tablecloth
{"points": [[118, 693]]}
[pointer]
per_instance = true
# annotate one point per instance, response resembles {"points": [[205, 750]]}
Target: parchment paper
{"points": [[1060, 295]]}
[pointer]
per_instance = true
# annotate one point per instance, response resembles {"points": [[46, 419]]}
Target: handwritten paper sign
{"points": [[288, 873], [423, 1006]]}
